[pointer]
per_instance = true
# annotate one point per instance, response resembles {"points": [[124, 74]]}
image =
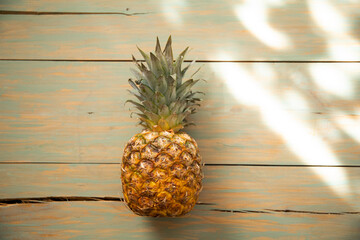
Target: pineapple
{"points": [[161, 169]]}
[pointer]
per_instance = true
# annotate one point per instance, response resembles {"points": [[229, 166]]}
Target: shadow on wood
{"points": [[193, 226]]}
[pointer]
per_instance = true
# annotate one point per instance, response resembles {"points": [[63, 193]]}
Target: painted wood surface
{"points": [[216, 30], [111, 220], [319, 189], [269, 113], [75, 112]]}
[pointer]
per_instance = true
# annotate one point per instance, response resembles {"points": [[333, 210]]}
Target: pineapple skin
{"points": [[161, 173]]}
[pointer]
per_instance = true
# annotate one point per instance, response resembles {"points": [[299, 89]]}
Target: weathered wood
{"points": [[253, 113], [75, 112], [292, 30], [107, 220], [231, 188]]}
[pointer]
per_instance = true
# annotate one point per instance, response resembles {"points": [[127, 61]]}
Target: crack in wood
{"points": [[274, 165], [239, 211], [311, 212], [206, 164], [13, 201], [198, 61], [271, 211], [10, 12], [36, 200]]}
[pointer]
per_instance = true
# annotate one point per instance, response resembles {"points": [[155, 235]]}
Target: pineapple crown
{"points": [[164, 99]]}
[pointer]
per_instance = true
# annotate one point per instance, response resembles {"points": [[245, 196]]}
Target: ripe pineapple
{"points": [[161, 168]]}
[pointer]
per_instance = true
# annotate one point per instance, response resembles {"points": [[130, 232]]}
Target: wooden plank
{"points": [[74, 112], [290, 30], [106, 220], [125, 6], [139, 6], [319, 189]]}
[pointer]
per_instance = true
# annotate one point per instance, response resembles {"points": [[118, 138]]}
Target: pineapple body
{"points": [[161, 169], [161, 173]]}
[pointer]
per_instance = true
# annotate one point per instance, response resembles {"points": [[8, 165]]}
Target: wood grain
{"points": [[293, 30], [62, 109], [75, 112], [229, 188], [106, 220]]}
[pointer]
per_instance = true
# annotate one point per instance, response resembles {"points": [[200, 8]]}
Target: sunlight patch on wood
{"points": [[298, 135], [254, 16]]}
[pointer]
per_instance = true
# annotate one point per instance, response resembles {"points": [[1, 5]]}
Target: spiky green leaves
{"points": [[165, 100]]}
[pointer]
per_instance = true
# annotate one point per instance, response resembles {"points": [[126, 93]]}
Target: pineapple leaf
{"points": [[195, 72], [164, 111], [164, 125], [149, 104], [164, 98], [178, 63], [150, 78], [195, 100], [183, 106], [191, 94], [152, 116], [136, 95], [133, 85], [183, 115], [182, 74], [159, 99], [158, 47], [156, 65], [145, 56], [160, 55], [171, 107], [147, 121], [169, 55], [146, 91], [170, 94], [185, 87], [162, 84], [137, 63], [178, 106], [177, 128], [137, 105], [172, 119], [139, 114], [141, 123], [137, 74], [164, 66], [189, 124], [191, 107]]}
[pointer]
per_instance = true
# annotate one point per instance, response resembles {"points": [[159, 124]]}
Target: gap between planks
{"points": [[38, 13], [37, 200], [198, 61], [205, 164]]}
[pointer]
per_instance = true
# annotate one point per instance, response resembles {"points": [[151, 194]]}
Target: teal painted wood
{"points": [[294, 30], [107, 220], [228, 188], [252, 113], [125, 6], [130, 6]]}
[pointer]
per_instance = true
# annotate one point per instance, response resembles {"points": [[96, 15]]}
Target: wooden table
{"points": [[279, 129]]}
